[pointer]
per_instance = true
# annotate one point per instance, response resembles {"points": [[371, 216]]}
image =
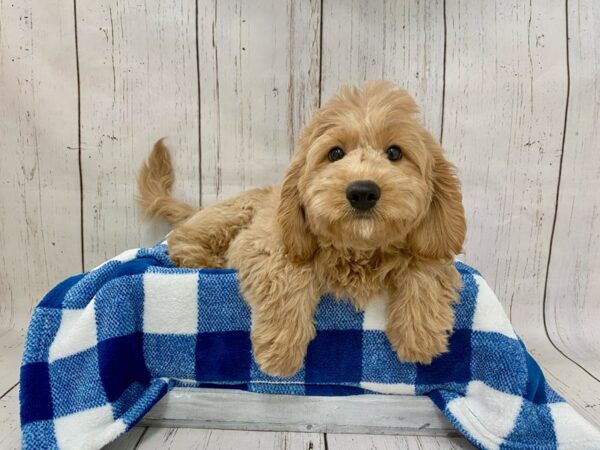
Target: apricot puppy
{"points": [[368, 207]]}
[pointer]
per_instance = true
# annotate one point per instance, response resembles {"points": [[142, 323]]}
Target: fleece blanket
{"points": [[104, 346]]}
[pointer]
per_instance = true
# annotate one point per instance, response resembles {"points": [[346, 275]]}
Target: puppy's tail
{"points": [[155, 182]]}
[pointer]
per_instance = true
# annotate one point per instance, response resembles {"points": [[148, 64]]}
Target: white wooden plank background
{"points": [[398, 41], [574, 273], [511, 88], [259, 83], [38, 141], [137, 66], [506, 93]]}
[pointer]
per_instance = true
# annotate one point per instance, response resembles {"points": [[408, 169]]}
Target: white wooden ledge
{"points": [[226, 409]]}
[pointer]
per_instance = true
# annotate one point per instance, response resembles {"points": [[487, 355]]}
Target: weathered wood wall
{"points": [[511, 88]]}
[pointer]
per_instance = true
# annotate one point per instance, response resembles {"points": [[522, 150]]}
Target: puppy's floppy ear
{"points": [[441, 232], [300, 244]]}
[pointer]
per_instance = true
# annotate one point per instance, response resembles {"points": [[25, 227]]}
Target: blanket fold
{"points": [[103, 347]]}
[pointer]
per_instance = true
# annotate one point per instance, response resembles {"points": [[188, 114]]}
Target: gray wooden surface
{"points": [[511, 88], [369, 414]]}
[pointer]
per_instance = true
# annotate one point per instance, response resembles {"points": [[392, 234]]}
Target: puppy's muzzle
{"points": [[363, 194]]}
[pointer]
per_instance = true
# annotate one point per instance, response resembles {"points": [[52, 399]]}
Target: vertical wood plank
{"points": [[402, 42], [39, 181], [572, 301], [184, 438], [259, 74], [138, 83], [506, 80]]}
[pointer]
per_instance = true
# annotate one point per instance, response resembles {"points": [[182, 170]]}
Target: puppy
{"points": [[368, 207]]}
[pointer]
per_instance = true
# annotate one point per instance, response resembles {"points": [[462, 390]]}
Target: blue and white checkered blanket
{"points": [[103, 347]]}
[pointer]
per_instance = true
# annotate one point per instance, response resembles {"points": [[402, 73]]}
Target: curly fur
{"points": [[294, 242]]}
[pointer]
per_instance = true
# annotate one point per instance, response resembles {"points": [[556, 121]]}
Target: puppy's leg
{"points": [[420, 315], [283, 309], [283, 298], [202, 240]]}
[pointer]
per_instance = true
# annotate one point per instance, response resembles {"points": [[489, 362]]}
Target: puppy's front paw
{"points": [[277, 354], [419, 347]]}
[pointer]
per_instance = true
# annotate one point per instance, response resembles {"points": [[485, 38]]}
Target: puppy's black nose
{"points": [[363, 194]]}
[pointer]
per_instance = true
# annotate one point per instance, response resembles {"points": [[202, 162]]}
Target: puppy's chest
{"points": [[359, 279]]}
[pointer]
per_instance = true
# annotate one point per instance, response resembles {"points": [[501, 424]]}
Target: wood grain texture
{"points": [[506, 89], [39, 181], [506, 86], [259, 75], [186, 438], [10, 431], [371, 442], [226, 409], [128, 441], [138, 83], [402, 42], [572, 301], [11, 350]]}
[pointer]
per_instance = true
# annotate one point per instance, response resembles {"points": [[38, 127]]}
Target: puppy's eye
{"points": [[394, 153], [335, 154]]}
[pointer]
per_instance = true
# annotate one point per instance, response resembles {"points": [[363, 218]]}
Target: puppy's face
{"points": [[366, 174], [366, 177]]}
